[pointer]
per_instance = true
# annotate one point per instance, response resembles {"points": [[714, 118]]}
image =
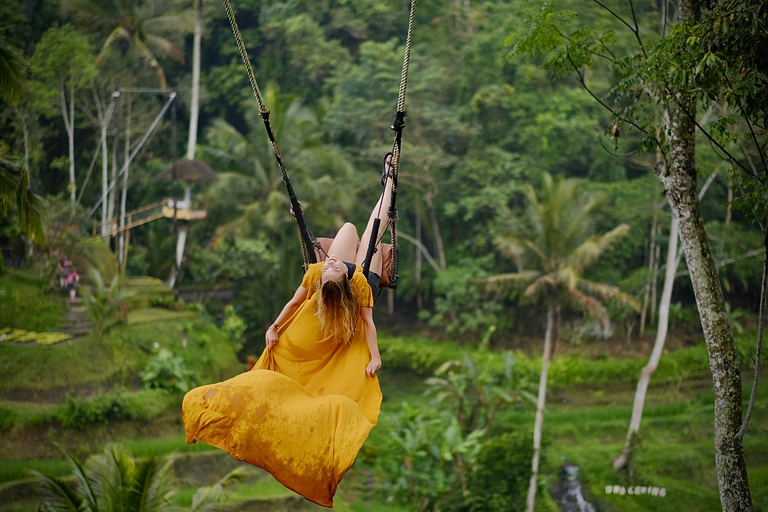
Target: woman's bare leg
{"points": [[379, 211], [344, 245]]}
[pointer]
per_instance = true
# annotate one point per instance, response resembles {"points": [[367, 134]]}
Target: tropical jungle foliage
{"points": [[534, 137]]}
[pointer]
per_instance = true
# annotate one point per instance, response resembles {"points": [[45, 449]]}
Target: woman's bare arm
{"points": [[288, 310], [373, 343]]}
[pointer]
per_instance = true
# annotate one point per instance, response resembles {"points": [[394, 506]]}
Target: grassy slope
{"points": [[117, 358], [25, 303], [584, 423]]}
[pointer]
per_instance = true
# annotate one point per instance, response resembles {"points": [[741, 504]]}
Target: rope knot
{"points": [[399, 123]]}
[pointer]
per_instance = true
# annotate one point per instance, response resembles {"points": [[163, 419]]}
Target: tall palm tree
{"points": [[552, 247], [115, 481], [138, 28], [12, 66], [15, 189], [251, 177]]}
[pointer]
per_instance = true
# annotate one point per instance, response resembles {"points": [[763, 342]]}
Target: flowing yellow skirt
{"points": [[302, 413]]}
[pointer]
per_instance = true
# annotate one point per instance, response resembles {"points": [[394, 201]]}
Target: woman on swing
{"points": [[310, 401]]}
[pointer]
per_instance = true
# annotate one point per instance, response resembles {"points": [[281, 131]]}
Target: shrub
{"points": [[8, 418], [234, 327], [502, 473], [79, 413], [106, 306], [167, 371], [416, 354]]}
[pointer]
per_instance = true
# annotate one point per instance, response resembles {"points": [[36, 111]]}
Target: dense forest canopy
{"points": [[480, 128]]}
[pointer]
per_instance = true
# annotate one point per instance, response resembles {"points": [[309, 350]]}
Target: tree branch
{"points": [[702, 130], [614, 15], [420, 246], [580, 78], [760, 329], [727, 261], [637, 30], [749, 123]]}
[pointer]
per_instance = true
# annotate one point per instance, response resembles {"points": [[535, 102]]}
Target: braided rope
{"points": [[244, 55], [305, 235], [398, 127], [407, 59]]}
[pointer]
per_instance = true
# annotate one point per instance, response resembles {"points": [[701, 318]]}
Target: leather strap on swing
{"points": [[307, 240]]}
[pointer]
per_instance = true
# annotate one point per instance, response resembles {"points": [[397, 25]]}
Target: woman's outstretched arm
{"points": [[373, 342], [288, 310]]}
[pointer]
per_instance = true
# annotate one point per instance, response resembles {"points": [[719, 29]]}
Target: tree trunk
{"points": [[658, 347], [419, 256], [679, 181], [194, 110], [531, 499], [68, 113], [647, 288], [655, 276], [124, 192], [113, 177], [194, 107]]}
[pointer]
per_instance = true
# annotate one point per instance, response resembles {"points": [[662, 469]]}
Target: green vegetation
{"points": [[41, 338], [493, 143], [27, 303]]}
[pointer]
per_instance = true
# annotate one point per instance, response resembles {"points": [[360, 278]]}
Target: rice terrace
{"points": [[413, 256]]}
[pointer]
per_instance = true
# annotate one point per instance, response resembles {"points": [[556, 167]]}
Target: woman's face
{"points": [[333, 269]]}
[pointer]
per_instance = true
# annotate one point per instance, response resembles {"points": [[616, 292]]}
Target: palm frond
{"points": [[12, 64], [607, 292], [516, 278], [183, 23], [591, 249], [539, 286], [117, 34], [153, 485], [212, 497], [84, 484], [590, 305], [163, 46], [56, 494], [113, 473], [565, 277]]}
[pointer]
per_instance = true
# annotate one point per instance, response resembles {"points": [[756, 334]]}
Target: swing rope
{"points": [[397, 127], [307, 240]]}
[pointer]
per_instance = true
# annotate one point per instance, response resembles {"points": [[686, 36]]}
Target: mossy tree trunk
{"points": [[679, 179]]}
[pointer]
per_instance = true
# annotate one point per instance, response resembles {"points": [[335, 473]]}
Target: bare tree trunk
{"points": [[655, 278], [438, 236], [419, 300], [68, 113], [192, 141], [124, 193], [531, 498], [651, 266], [661, 335], [22, 116], [194, 107], [679, 181], [730, 202], [113, 177]]}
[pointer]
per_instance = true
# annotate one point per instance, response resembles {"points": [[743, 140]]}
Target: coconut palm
{"points": [[12, 66], [252, 180], [15, 189], [552, 247], [115, 481], [137, 28]]}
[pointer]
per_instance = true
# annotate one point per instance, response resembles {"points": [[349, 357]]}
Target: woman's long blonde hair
{"points": [[338, 309]]}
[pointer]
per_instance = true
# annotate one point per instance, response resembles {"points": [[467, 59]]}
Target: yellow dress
{"points": [[304, 410]]}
